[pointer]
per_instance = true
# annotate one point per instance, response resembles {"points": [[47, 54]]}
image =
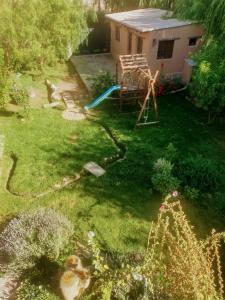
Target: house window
{"points": [[129, 42], [139, 45], [165, 50], [118, 33], [193, 41]]}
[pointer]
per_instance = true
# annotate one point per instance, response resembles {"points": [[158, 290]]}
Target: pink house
{"points": [[167, 42]]}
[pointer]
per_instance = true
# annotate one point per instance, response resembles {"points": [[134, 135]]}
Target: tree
{"points": [[208, 87], [34, 34]]}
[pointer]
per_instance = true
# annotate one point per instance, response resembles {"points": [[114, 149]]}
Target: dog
{"points": [[75, 278]]}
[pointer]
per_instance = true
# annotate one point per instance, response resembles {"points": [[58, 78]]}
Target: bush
{"points": [[199, 173], [171, 153], [207, 87], [29, 290], [191, 193], [20, 96], [101, 82], [162, 179], [5, 83], [33, 235], [167, 85]]}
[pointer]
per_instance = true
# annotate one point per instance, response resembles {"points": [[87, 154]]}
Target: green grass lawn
{"points": [[119, 206]]}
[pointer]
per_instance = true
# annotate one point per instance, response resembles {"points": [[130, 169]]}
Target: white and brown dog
{"points": [[75, 279]]}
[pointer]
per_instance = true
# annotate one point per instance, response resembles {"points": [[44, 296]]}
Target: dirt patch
{"points": [[72, 85]]}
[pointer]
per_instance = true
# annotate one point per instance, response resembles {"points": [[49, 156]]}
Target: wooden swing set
{"points": [[137, 83]]}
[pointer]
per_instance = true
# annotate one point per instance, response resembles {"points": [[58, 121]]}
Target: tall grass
{"points": [[179, 265]]}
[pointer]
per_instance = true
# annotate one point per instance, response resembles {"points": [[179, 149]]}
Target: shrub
{"points": [[20, 96], [199, 173], [207, 87], [33, 235], [191, 193], [171, 153], [162, 179], [29, 290], [101, 82], [168, 85], [5, 83], [177, 264]]}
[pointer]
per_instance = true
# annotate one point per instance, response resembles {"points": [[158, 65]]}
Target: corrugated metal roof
{"points": [[145, 20]]}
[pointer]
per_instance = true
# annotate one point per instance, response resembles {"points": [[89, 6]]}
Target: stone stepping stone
{"points": [[68, 101], [73, 115], [94, 169], [53, 104]]}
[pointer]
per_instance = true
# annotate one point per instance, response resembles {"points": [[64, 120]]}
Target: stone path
{"points": [[68, 99], [73, 112], [88, 66], [73, 115]]}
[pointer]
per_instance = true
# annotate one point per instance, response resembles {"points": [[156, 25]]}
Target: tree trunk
{"points": [[6, 54]]}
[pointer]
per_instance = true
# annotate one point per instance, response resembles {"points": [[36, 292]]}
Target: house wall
{"points": [[121, 47], [181, 51], [173, 66]]}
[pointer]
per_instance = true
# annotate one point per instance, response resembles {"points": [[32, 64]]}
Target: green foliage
{"points": [[210, 13], [29, 290], [47, 30], [171, 153], [208, 88], [162, 178], [20, 96], [9, 91], [101, 82], [118, 5], [199, 173], [191, 193], [5, 85], [33, 235]]}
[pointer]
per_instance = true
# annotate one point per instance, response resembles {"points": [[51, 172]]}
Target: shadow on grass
{"points": [[6, 113]]}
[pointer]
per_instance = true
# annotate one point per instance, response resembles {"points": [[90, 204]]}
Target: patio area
{"points": [[88, 66]]}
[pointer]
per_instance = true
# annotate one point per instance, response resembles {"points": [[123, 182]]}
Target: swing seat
{"points": [[147, 123]]}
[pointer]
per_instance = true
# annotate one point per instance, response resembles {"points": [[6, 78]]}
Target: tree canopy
{"points": [[38, 32]]}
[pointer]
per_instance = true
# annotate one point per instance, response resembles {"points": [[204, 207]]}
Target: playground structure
{"points": [[136, 83]]}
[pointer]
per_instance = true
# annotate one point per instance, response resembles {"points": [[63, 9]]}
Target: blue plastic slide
{"points": [[101, 98]]}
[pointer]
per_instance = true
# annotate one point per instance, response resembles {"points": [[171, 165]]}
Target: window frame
{"points": [[160, 50], [196, 41], [117, 33], [130, 42], [140, 42]]}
